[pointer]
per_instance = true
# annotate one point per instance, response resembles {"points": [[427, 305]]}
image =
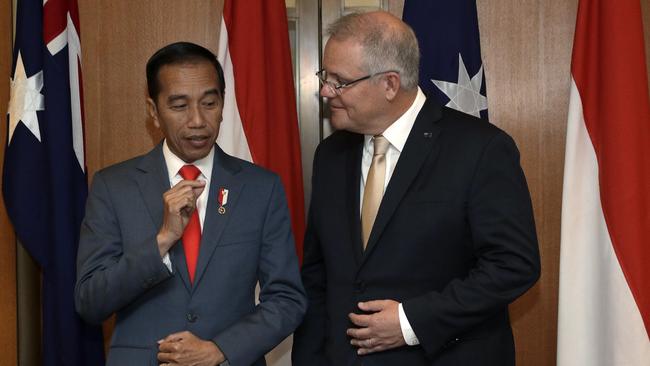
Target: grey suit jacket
{"points": [[119, 269]]}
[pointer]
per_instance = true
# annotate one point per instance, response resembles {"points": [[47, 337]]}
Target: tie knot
{"points": [[381, 145], [189, 172]]}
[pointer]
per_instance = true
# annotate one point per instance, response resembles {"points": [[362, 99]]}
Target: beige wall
{"points": [[526, 48]]}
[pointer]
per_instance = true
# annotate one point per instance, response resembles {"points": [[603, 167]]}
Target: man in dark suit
{"points": [[420, 229], [174, 241]]}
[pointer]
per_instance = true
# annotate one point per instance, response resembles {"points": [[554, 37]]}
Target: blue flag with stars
{"points": [[44, 177], [451, 70]]}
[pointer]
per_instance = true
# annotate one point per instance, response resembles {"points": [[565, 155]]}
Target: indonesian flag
{"points": [[260, 119], [604, 303]]}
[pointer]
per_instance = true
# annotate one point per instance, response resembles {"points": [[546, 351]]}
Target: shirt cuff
{"points": [[167, 261], [407, 332]]}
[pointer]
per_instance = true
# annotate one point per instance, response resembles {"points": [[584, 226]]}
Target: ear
{"points": [[152, 110], [392, 85]]}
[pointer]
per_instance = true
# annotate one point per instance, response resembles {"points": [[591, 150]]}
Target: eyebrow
{"points": [[175, 97]]}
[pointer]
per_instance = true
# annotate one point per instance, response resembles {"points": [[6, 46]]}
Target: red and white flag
{"points": [[604, 301], [260, 118]]}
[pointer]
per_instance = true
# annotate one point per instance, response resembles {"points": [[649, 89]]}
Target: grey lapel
{"points": [[153, 182], [418, 147], [224, 175]]}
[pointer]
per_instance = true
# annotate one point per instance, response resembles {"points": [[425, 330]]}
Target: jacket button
{"points": [[191, 317], [360, 287]]}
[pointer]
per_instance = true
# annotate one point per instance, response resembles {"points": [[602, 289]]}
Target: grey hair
{"points": [[385, 46]]}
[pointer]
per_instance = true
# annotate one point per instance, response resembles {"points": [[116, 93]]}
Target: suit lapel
{"points": [[153, 182], [416, 150], [224, 172], [353, 172]]}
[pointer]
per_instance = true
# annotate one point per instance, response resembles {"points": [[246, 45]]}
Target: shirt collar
{"points": [[174, 163], [398, 131]]}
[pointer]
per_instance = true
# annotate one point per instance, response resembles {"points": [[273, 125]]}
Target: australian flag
{"points": [[451, 70], [44, 178]]}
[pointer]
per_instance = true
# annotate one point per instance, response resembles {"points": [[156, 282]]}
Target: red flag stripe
{"points": [[258, 42], [610, 72]]}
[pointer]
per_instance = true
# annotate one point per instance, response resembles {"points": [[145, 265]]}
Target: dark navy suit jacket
{"points": [[454, 241]]}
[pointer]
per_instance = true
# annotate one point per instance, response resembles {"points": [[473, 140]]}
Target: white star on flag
{"points": [[26, 99], [465, 95]]}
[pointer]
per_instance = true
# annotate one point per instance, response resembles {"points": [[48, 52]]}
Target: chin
{"points": [[338, 124]]}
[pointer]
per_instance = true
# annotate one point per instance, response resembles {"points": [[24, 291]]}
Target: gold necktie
{"points": [[374, 189]]}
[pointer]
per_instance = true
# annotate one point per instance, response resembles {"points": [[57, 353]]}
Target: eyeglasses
{"points": [[335, 87]]}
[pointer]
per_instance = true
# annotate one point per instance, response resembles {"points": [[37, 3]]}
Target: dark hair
{"points": [[179, 53]]}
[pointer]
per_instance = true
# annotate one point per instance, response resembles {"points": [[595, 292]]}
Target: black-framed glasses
{"points": [[335, 87]]}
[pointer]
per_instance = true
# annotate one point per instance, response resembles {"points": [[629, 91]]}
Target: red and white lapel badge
{"points": [[223, 200]]}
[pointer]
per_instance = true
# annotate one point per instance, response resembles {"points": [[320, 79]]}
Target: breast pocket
{"points": [[240, 237], [439, 196]]}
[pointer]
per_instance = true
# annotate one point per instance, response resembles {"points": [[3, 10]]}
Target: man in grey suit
{"points": [[181, 300]]}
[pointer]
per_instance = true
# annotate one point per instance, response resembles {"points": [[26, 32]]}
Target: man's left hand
{"points": [[184, 348], [378, 331]]}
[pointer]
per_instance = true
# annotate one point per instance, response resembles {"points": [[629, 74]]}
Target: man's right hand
{"points": [[179, 204]]}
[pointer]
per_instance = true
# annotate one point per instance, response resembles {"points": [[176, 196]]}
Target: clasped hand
{"points": [[186, 349], [378, 331]]}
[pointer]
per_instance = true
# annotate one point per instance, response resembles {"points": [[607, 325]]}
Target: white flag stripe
{"points": [[599, 322], [231, 133], [74, 60]]}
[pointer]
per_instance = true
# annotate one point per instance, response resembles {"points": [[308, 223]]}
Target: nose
{"points": [[327, 91], [194, 118]]}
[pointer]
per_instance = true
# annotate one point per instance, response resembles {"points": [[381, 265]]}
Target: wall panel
{"points": [[117, 39], [8, 333], [526, 46]]}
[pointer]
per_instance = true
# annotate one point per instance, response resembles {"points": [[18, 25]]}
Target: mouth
{"points": [[197, 141]]}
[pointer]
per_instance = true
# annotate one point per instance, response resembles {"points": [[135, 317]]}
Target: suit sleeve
{"points": [[108, 276], [502, 228], [282, 297], [309, 338]]}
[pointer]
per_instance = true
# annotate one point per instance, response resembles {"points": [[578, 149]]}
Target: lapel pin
{"points": [[428, 135], [223, 199]]}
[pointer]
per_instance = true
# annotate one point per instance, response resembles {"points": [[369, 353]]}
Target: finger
{"points": [[165, 357], [184, 187], [169, 346], [359, 333], [187, 205], [190, 183], [180, 191], [198, 190], [364, 351], [375, 305], [175, 337], [370, 343], [361, 320]]}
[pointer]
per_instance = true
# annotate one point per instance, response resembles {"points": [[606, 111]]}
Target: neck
{"points": [[396, 108]]}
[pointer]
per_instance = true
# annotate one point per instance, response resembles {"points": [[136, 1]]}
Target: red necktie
{"points": [[192, 233]]}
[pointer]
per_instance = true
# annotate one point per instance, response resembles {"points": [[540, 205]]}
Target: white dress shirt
{"points": [[396, 134], [174, 164]]}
